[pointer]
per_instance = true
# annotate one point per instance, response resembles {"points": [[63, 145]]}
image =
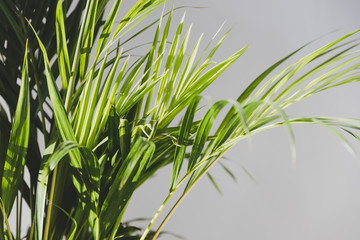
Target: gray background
{"points": [[320, 197]]}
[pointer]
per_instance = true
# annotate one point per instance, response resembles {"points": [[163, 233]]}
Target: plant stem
{"points": [[18, 233], [31, 207], [185, 193], [6, 220], [17, 216], [51, 197], [147, 230], [225, 148], [32, 230], [161, 208], [169, 214]]}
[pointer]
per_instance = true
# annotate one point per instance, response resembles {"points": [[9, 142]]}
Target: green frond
{"points": [[111, 118]]}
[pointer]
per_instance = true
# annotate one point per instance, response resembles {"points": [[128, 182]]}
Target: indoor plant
{"points": [[130, 136]]}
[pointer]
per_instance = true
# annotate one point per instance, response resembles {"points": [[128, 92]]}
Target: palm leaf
{"points": [[18, 143], [124, 184], [66, 133]]}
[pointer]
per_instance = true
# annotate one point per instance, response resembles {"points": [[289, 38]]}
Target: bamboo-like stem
{"points": [[185, 193], [225, 148], [32, 214], [169, 214], [147, 230], [161, 208], [51, 197], [20, 211], [32, 230], [17, 217], [6, 221]]}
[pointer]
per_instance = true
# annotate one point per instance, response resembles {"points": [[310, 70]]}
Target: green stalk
{"points": [[185, 193], [5, 219], [171, 193], [17, 217], [51, 197], [147, 230], [20, 211], [32, 214], [170, 213], [32, 230]]}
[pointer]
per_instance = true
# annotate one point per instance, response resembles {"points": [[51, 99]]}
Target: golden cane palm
{"points": [[108, 119]]}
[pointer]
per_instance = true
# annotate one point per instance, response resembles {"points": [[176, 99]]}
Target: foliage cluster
{"points": [[108, 119]]}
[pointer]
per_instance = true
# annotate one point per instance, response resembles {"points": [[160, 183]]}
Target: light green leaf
{"points": [[202, 135], [67, 134], [18, 143], [109, 23], [124, 184], [48, 165], [180, 150], [62, 50], [87, 37]]}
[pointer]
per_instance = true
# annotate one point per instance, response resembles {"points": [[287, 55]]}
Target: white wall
{"points": [[320, 198]]}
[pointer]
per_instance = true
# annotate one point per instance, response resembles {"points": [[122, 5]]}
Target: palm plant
{"points": [[108, 119]]}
